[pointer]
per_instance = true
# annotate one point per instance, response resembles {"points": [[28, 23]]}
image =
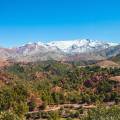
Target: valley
{"points": [[59, 60]]}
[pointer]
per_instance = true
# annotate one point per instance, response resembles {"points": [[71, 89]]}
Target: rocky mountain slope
{"points": [[110, 51], [62, 50]]}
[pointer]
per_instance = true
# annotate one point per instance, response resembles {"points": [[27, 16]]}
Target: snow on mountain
{"points": [[68, 47], [62, 45], [55, 49], [80, 46]]}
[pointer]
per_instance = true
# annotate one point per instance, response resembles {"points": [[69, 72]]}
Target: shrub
{"points": [[8, 115], [102, 113], [53, 116]]}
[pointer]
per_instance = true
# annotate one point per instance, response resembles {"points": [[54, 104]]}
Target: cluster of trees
{"points": [[62, 83], [13, 101], [103, 113]]}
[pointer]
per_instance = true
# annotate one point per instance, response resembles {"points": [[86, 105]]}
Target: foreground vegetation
{"points": [[54, 90]]}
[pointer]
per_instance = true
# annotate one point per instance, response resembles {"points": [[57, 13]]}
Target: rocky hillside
{"points": [[62, 50]]}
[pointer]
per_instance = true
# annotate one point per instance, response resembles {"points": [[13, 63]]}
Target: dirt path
{"points": [[58, 107], [74, 106]]}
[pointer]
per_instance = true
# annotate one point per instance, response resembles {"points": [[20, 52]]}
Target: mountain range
{"points": [[72, 50]]}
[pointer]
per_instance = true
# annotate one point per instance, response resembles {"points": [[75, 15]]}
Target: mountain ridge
{"points": [[60, 50]]}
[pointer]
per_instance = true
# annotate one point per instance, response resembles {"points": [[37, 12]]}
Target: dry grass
{"points": [[4, 62], [107, 63], [115, 78]]}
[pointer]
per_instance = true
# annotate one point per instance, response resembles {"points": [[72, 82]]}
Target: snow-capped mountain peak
{"points": [[69, 46], [79, 46], [55, 50]]}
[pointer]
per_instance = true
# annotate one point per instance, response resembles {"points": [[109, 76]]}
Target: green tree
{"points": [[8, 115]]}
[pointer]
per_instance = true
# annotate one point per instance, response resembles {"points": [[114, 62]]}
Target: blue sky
{"points": [[23, 21]]}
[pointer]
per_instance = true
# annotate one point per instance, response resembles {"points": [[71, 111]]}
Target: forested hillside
{"points": [[56, 91]]}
